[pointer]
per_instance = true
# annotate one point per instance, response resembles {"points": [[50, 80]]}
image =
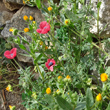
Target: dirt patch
{"points": [[13, 99]]}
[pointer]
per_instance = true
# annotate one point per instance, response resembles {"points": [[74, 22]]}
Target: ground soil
{"points": [[13, 99], [9, 75]]}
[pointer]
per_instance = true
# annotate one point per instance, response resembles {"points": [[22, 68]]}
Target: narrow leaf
{"points": [[89, 99], [38, 3], [63, 103], [81, 106], [108, 108], [22, 46]]}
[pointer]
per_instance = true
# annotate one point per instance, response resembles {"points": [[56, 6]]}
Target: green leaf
{"points": [[18, 40], [63, 103], [108, 108], [22, 46], [38, 3], [26, 55], [69, 14], [89, 99], [41, 69], [108, 70], [48, 99], [48, 51], [81, 105], [24, 41], [99, 4], [8, 46], [38, 56], [30, 27]]}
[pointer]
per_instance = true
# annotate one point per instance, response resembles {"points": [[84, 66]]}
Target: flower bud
{"points": [[9, 88], [12, 107], [34, 96], [15, 32]]}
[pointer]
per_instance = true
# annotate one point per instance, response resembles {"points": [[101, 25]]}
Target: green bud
{"points": [[15, 32], [89, 81], [60, 58], [74, 95], [34, 96]]}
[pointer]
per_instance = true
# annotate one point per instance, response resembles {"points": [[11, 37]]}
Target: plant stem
{"points": [[98, 19]]}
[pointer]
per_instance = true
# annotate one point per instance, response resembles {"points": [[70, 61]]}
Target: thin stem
{"points": [[18, 64], [98, 19]]}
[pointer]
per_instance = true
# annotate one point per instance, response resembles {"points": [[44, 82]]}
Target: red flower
{"points": [[44, 27], [50, 63], [10, 54]]}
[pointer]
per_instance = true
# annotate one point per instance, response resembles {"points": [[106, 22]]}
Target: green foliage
{"points": [[81, 106], [78, 60], [38, 3], [89, 99], [63, 103], [108, 108]]}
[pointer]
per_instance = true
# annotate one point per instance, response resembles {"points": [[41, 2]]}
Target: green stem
{"points": [[75, 7], [98, 19], [17, 64]]}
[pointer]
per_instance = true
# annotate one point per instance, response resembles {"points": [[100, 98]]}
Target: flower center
{"points": [[11, 54], [50, 64], [45, 27]]}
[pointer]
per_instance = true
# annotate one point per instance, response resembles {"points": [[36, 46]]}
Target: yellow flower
{"points": [[48, 90], [103, 77], [49, 8], [46, 47], [67, 21], [24, 2], [26, 30], [11, 29], [99, 97], [68, 77], [25, 17], [31, 18], [12, 107], [9, 88], [28, 0], [57, 90], [59, 77], [33, 22], [41, 43], [68, 93]]}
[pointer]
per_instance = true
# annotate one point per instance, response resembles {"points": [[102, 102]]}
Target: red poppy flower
{"points": [[50, 63], [44, 27], [10, 54]]}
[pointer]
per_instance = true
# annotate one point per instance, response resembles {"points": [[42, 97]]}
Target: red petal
{"points": [[13, 51], [47, 65], [43, 24], [10, 54], [44, 31], [39, 30], [53, 61], [48, 60], [51, 68]]}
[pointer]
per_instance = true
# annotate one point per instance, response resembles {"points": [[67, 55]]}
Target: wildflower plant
{"points": [[64, 54]]}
